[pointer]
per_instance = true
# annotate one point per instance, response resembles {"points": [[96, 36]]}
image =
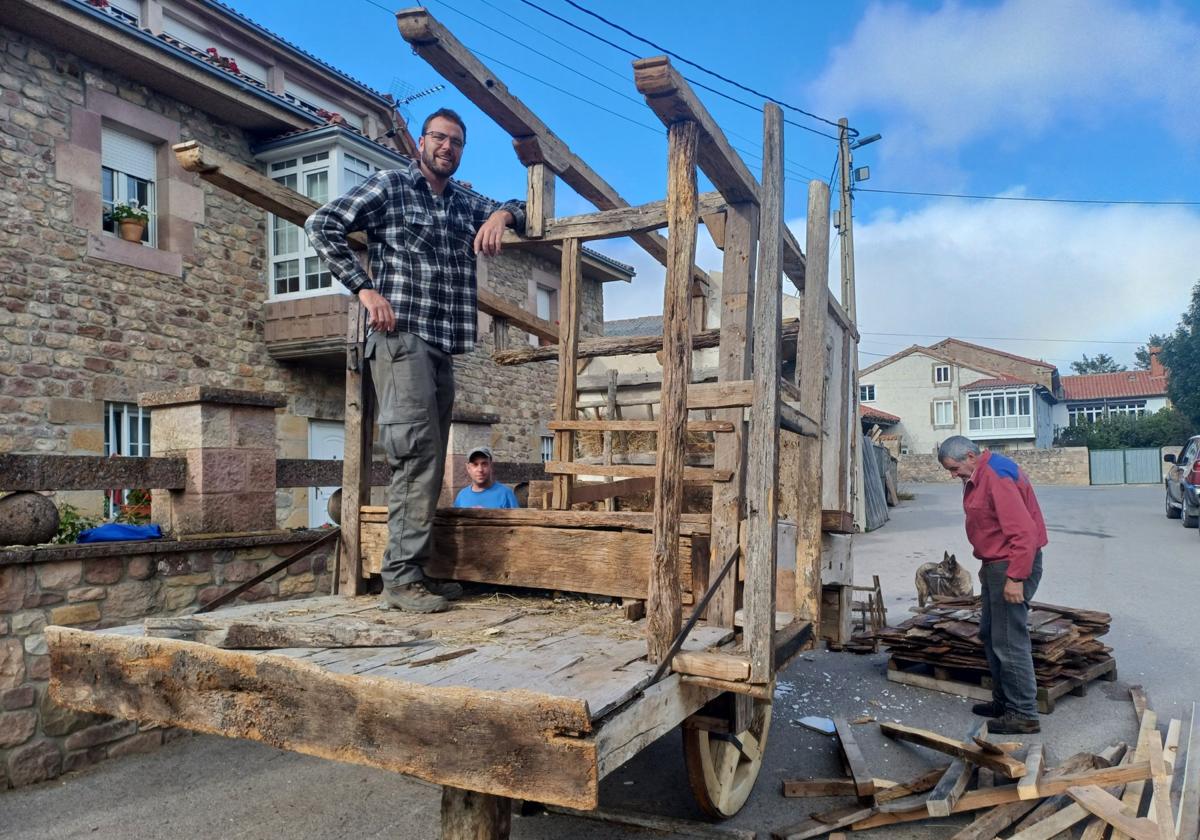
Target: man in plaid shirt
{"points": [[424, 232]]}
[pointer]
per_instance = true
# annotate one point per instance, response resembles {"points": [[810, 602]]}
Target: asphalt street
{"points": [[1111, 549]]}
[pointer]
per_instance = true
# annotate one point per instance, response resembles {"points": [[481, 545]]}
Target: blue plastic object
{"points": [[116, 532]]}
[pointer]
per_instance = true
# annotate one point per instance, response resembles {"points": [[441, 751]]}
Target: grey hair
{"points": [[956, 449]]}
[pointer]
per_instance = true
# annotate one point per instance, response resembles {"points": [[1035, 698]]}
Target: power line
{"points": [[1031, 198], [999, 338], [704, 69]]}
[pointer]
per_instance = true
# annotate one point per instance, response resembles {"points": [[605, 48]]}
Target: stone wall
{"points": [[1060, 465], [89, 588]]}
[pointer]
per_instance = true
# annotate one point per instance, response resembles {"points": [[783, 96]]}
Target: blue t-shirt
{"points": [[497, 496]]}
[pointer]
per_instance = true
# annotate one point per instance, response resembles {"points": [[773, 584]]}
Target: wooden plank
{"points": [[434, 43], [819, 787], [1053, 825], [286, 703], [794, 420], [1027, 786], [607, 224], [696, 474], [1160, 801], [864, 781], [634, 425], [837, 521], [762, 446], [1131, 799], [492, 304], [359, 424], [539, 203], [570, 307], [822, 824], [1108, 808], [663, 602], [954, 781], [721, 666], [1010, 767], [974, 692], [762, 692], [655, 713], [810, 363], [1188, 822], [690, 524], [242, 634], [926, 781], [598, 491]]}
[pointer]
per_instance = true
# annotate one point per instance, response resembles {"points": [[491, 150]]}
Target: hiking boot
{"points": [[413, 598], [990, 709], [1010, 724], [448, 589]]}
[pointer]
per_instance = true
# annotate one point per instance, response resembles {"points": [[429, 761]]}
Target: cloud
{"points": [[1022, 270], [644, 296], [1022, 68]]}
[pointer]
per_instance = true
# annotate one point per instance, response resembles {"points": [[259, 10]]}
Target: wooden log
{"points": [[810, 362], [634, 425], [663, 603], [539, 203], [762, 443], [1010, 767], [245, 634], [359, 425], [633, 471], [570, 307], [517, 743], [467, 815], [864, 781], [607, 224], [1108, 808]]}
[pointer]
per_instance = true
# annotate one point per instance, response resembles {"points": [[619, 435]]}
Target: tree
{"points": [[1165, 427], [1102, 363], [1141, 356], [1181, 355]]}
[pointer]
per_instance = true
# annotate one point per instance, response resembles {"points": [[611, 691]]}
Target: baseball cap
{"points": [[486, 451]]}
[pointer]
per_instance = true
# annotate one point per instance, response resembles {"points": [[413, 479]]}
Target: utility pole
{"points": [[845, 217], [848, 488]]}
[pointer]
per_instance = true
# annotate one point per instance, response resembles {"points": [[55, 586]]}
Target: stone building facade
{"points": [[89, 321]]}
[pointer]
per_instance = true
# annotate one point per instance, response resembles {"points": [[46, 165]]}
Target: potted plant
{"points": [[131, 220]]}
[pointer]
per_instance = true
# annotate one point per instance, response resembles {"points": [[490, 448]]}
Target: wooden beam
{"points": [[720, 666], [1027, 786], [689, 474], [634, 425], [467, 815], [539, 202], [492, 304], [690, 524], [246, 634], [609, 224], [672, 826], [953, 782], [810, 361], [597, 491], [434, 43], [359, 422], [1147, 731], [1006, 765], [570, 308], [864, 781], [633, 728], [663, 604], [794, 420], [1108, 808], [286, 703]]}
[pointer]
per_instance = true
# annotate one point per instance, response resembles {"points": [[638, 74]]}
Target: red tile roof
{"points": [[866, 412], [1128, 383]]}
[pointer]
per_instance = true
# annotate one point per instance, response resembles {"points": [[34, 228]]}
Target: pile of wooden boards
{"points": [[1149, 792], [1067, 654]]}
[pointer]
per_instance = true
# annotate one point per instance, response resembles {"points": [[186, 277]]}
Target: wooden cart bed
{"points": [[532, 697]]}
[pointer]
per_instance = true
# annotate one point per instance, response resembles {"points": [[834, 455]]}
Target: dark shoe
{"points": [[448, 589], [413, 598], [1011, 724], [990, 709]]}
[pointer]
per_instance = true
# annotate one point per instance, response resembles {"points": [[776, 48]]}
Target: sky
{"points": [[1074, 100]]}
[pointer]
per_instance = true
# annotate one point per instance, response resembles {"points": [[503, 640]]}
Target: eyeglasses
{"points": [[438, 139]]}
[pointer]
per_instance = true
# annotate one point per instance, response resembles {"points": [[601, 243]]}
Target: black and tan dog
{"points": [[946, 578]]}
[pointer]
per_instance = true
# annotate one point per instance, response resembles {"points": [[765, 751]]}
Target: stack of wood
{"points": [[945, 635], [1148, 792]]}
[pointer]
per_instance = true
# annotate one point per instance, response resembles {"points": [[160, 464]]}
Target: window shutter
{"points": [[933, 414], [127, 154]]}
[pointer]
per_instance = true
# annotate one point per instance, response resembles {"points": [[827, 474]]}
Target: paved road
{"points": [[1111, 549]]}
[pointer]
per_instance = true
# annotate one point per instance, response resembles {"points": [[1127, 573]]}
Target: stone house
{"points": [[217, 293], [1096, 396]]}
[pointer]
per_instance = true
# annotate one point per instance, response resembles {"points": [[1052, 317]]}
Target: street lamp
{"points": [[858, 144]]}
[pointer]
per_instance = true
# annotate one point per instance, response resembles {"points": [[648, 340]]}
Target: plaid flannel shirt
{"points": [[421, 255]]}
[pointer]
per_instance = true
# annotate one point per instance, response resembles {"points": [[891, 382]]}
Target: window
{"points": [[547, 448], [126, 11], [128, 169], [1005, 410], [866, 393], [943, 413], [354, 171], [127, 433], [295, 267], [544, 304], [941, 374], [1092, 412]]}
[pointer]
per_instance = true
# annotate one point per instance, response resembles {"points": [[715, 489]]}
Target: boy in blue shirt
{"points": [[483, 492]]}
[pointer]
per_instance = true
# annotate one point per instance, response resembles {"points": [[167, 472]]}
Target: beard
{"points": [[444, 167]]}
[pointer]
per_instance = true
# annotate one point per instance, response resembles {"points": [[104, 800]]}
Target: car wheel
{"points": [[1190, 516], [1172, 511]]}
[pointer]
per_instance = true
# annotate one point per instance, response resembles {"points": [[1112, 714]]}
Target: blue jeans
{"points": [[1004, 631]]}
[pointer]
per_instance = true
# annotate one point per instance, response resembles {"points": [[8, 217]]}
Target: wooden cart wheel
{"points": [[722, 769]]}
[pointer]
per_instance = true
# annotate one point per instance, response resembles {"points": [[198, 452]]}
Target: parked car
{"points": [[1183, 484]]}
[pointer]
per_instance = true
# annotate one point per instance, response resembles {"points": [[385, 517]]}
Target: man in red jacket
{"points": [[1006, 529]]}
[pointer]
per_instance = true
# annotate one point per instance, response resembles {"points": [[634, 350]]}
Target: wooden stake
{"points": [[356, 464], [569, 308], [540, 204]]}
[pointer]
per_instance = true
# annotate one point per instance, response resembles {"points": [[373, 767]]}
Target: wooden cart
{"points": [[537, 696]]}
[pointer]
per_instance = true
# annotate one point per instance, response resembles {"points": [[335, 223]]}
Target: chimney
{"points": [[1156, 367]]}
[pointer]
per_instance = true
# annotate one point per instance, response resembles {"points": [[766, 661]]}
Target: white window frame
{"points": [[545, 306], [119, 185], [1003, 411], [866, 393], [120, 439], [946, 407], [547, 448], [938, 370], [126, 11]]}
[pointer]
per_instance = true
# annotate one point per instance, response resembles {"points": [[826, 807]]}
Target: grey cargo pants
{"points": [[414, 389], [1004, 631]]}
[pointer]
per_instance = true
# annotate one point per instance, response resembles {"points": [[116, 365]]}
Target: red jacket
{"points": [[1004, 521]]}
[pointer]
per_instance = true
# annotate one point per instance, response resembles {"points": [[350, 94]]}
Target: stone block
{"points": [[293, 429], [75, 614], [239, 571], [131, 599], [28, 621], [85, 441], [176, 429], [12, 588], [253, 511], [103, 733], [83, 759], [36, 645], [59, 720], [218, 470], [201, 561], [301, 566], [142, 567], [38, 668], [77, 166], [260, 470], [177, 598], [197, 579], [12, 663], [142, 742], [86, 593], [104, 570], [76, 412], [253, 427], [210, 593], [290, 587], [59, 575], [16, 727], [34, 762], [18, 698]]}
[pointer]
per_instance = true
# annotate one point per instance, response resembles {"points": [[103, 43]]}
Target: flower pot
{"points": [[131, 230]]}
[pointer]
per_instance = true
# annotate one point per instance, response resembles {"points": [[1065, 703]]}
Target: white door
{"points": [[326, 442]]}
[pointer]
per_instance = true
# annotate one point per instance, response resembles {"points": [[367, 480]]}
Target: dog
{"points": [[946, 578]]}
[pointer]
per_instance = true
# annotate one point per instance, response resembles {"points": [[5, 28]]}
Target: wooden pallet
{"points": [[965, 682]]}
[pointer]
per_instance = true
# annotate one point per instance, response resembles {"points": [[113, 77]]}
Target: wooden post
{"points": [[467, 815], [810, 368], [540, 200], [356, 465], [664, 598], [610, 503], [737, 292], [762, 450], [569, 307]]}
